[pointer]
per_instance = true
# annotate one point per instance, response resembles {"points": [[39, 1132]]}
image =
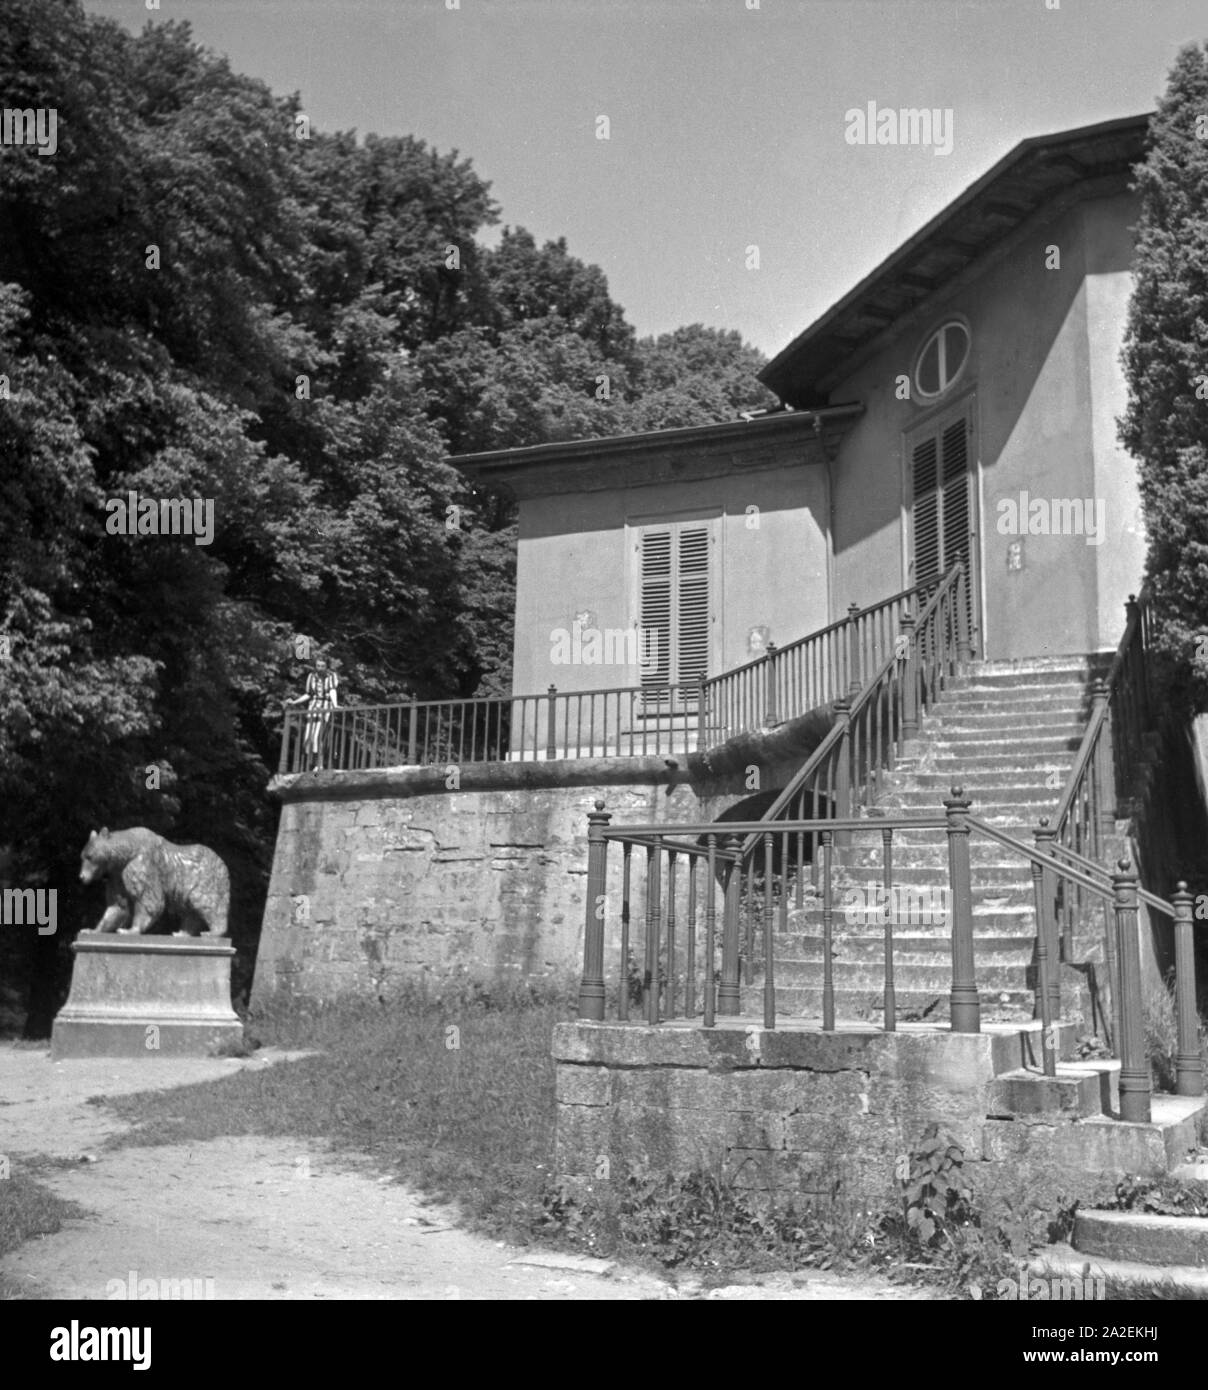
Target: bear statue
{"points": [[146, 876]]}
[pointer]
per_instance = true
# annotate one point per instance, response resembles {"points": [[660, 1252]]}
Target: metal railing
{"points": [[813, 672], [849, 766], [710, 911], [1054, 865], [624, 722]]}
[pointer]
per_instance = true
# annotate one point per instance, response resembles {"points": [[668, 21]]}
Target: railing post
{"points": [[551, 726], [964, 639], [842, 710], [729, 997], [854, 674], [1189, 1064], [591, 988], [654, 889], [1060, 947], [702, 714], [412, 729], [908, 649], [1134, 1065], [964, 1008], [1105, 767], [770, 717], [286, 725]]}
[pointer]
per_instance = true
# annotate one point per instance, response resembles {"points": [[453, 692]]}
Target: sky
{"points": [[730, 189]]}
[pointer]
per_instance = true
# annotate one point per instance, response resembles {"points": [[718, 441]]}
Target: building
{"points": [[959, 402]]}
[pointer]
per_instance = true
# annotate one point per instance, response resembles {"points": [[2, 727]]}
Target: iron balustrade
{"points": [[709, 910], [628, 721], [625, 722], [750, 896], [808, 674]]}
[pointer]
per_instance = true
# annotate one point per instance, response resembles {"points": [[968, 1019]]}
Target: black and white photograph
{"points": [[603, 668]]}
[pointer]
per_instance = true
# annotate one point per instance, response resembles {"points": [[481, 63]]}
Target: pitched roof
{"points": [[1038, 170]]}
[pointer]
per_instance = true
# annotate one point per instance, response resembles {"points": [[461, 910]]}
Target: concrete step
{"points": [[1016, 784], [1142, 1238], [1103, 1146], [922, 798], [1016, 704], [1022, 744], [1066, 1274], [805, 1001], [913, 948], [933, 978], [1074, 1093]]}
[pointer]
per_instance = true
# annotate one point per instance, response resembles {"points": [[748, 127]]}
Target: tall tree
{"points": [[1166, 362]]}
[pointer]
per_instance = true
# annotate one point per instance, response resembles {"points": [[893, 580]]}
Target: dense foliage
{"points": [[1166, 362], [200, 296]]}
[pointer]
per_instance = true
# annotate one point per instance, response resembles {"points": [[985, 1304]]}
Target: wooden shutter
{"points": [[675, 604], [928, 541], [692, 613], [657, 581], [941, 511]]}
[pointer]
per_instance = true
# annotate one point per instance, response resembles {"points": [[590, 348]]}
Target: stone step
{"points": [[923, 798], [995, 727], [1068, 1275], [1013, 920], [913, 947], [1022, 744], [1072, 665], [991, 764], [1074, 1093], [1020, 784], [805, 1001], [1142, 1238], [1017, 705], [913, 979]]}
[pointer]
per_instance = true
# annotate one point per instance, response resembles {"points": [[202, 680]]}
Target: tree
{"points": [[1165, 357]]}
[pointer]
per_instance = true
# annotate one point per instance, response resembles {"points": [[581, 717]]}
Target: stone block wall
{"points": [[390, 876], [789, 1112]]}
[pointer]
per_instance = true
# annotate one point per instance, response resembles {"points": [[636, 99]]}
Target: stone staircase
{"points": [[1007, 733]]}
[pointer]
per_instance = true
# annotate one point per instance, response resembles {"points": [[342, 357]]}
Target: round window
{"points": [[943, 356]]}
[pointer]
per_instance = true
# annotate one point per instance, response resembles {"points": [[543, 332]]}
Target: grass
{"points": [[454, 1096], [27, 1210]]}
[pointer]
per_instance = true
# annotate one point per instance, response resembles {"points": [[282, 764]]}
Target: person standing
{"points": [[320, 698]]}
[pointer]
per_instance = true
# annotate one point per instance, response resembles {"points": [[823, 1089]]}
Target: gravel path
{"points": [[272, 1218]]}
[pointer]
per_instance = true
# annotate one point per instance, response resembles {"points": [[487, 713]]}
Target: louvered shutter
{"points": [[927, 515], [941, 526], [657, 583], [674, 606], [692, 615]]}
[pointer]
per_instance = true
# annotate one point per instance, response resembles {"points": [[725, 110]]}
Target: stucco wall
{"points": [[1046, 385], [574, 555]]}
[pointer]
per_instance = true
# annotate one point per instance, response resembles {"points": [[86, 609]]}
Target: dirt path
{"points": [[271, 1218]]}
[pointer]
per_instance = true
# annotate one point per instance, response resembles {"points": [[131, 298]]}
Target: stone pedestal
{"points": [[147, 996]]}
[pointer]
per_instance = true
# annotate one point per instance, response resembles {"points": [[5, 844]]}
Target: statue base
{"points": [[147, 996]]}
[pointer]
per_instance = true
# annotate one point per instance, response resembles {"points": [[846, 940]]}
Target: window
{"points": [[674, 606], [943, 357]]}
